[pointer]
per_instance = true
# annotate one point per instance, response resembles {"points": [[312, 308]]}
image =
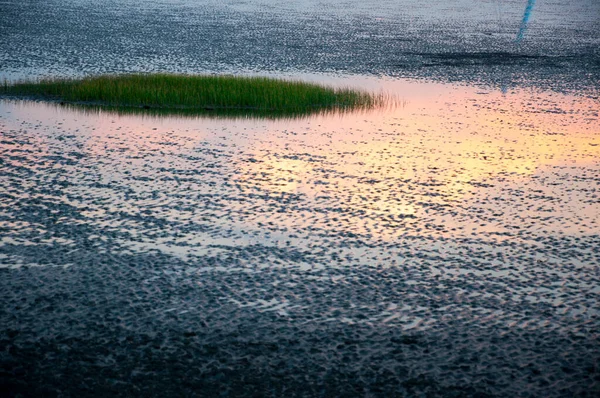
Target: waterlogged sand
{"points": [[448, 246]]}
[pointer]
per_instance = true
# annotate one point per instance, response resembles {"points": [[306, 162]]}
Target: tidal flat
{"points": [[448, 245]]}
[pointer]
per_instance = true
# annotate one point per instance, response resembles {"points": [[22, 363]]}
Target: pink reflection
{"points": [[448, 161]]}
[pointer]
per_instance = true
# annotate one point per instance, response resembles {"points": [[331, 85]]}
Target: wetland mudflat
{"points": [[447, 246]]}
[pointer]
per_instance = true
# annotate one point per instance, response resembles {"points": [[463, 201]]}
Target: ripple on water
{"points": [[453, 216]]}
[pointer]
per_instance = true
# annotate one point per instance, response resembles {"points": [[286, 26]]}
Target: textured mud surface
{"points": [[427, 249], [449, 246], [456, 40]]}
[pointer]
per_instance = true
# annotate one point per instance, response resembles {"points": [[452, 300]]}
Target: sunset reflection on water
{"points": [[446, 161], [466, 150]]}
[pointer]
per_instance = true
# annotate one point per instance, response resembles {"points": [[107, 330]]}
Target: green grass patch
{"points": [[169, 93]]}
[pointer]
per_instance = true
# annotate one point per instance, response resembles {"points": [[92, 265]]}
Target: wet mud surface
{"points": [[446, 40], [446, 246], [419, 250]]}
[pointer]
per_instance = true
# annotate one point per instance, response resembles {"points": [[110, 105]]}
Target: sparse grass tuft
{"points": [[200, 93]]}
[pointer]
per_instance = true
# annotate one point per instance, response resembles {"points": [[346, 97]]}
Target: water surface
{"points": [[445, 246], [464, 216]]}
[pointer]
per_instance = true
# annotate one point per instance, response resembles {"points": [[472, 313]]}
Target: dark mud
{"points": [[456, 40], [129, 325]]}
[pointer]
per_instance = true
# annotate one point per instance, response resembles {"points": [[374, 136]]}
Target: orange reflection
{"points": [[435, 151], [440, 164]]}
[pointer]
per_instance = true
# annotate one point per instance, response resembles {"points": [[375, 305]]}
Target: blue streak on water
{"points": [[525, 21]]}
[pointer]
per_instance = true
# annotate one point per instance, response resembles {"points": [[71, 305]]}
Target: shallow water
{"points": [[448, 245], [459, 215], [446, 40]]}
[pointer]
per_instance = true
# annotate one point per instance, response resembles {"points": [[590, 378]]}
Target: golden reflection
{"points": [[433, 152], [443, 162]]}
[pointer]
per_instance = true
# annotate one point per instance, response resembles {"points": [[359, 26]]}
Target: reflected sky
{"points": [[456, 187], [350, 245], [450, 161]]}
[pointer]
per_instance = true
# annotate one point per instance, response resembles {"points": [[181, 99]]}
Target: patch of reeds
{"points": [[190, 93]]}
